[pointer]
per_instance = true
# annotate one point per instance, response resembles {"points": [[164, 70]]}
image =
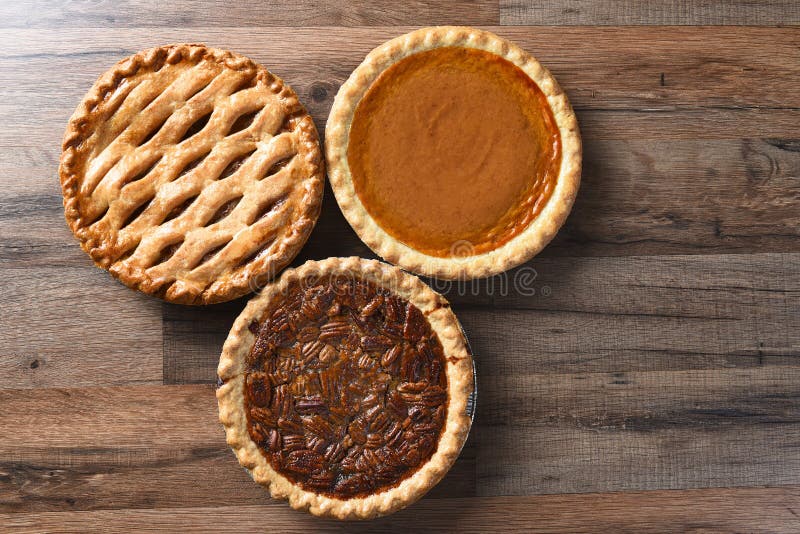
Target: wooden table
{"points": [[646, 377]]}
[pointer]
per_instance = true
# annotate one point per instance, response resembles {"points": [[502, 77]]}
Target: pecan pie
{"points": [[344, 388], [187, 171], [453, 153]]}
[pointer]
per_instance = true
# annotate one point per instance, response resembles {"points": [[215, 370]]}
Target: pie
{"points": [[344, 387], [453, 153], [190, 172]]}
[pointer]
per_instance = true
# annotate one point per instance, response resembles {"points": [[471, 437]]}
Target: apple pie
{"points": [[190, 172]]}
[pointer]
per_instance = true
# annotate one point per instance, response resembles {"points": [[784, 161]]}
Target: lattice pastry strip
{"points": [[166, 141], [199, 240], [166, 114], [171, 192], [188, 171]]}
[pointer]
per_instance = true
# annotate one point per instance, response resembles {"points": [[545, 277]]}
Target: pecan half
{"points": [[303, 461], [372, 306], [309, 405]]}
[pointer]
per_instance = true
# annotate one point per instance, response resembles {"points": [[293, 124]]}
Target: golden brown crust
{"points": [[463, 263], [230, 395], [139, 184]]}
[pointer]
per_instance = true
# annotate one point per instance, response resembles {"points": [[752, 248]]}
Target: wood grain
{"points": [[105, 447], [534, 434], [56, 333], [638, 197], [646, 197], [599, 315], [658, 430], [632, 68], [649, 186], [719, 510], [641, 375], [246, 13], [631, 12], [151, 13]]}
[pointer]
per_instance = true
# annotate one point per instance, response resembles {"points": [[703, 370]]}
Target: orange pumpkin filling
{"points": [[454, 148]]}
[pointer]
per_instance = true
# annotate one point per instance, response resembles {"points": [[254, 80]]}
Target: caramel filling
{"points": [[346, 389], [454, 150]]}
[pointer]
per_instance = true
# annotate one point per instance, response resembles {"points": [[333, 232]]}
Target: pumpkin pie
{"points": [[344, 388], [188, 172], [453, 153]]}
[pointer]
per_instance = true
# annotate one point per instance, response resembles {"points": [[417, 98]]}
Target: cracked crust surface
{"points": [[187, 171], [232, 369], [463, 263]]}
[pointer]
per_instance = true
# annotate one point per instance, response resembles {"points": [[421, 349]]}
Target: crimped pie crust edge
{"points": [[459, 370], [229, 285], [516, 251]]}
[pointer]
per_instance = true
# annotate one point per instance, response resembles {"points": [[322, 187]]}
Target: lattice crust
{"points": [[189, 171]]}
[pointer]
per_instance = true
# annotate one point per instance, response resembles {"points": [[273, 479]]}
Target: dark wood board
{"points": [[642, 374]]}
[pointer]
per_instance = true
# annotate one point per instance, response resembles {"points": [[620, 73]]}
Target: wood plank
{"points": [[674, 197], [637, 197], [244, 13], [718, 510], [725, 287], [632, 68], [599, 315], [42, 143], [33, 232], [39, 13], [690, 194], [654, 345], [534, 434], [104, 447], [632, 402], [686, 197], [70, 327], [631, 12], [42, 146], [607, 342], [632, 431], [698, 124], [191, 351]]}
